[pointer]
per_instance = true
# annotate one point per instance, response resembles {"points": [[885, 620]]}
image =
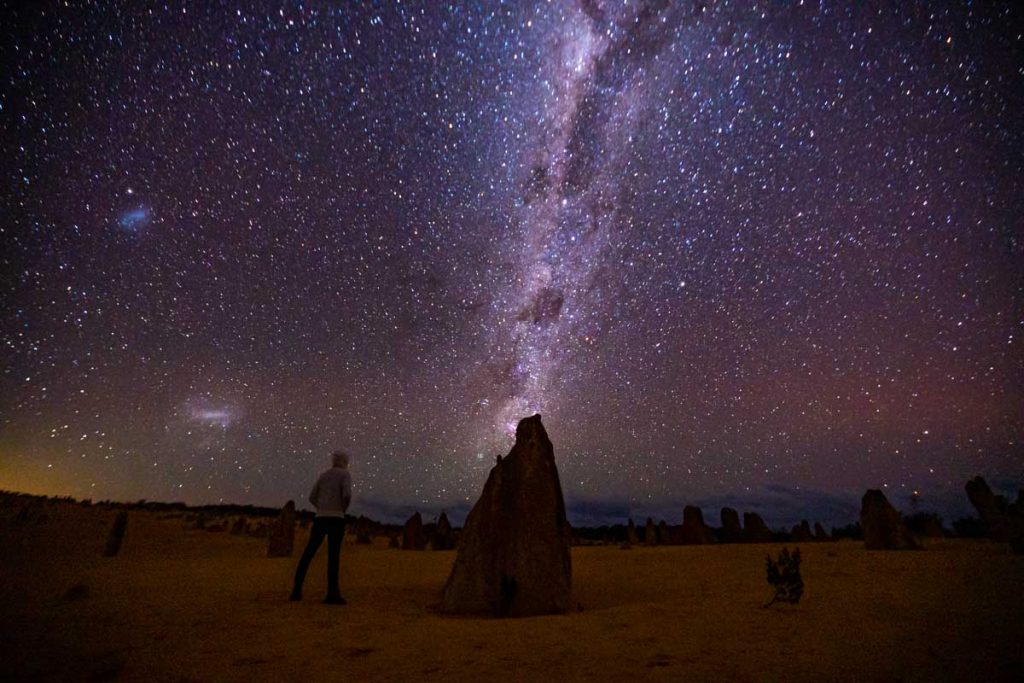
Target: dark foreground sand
{"points": [[187, 605]]}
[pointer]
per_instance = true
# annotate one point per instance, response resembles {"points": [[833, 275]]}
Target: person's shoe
{"points": [[335, 600], [296, 596]]}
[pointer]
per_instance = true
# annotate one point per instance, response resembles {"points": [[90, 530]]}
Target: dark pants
{"points": [[334, 529]]}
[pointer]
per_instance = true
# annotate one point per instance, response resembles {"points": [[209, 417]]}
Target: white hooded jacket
{"points": [[332, 493]]}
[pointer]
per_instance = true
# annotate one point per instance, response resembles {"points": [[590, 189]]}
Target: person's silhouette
{"points": [[330, 496]]}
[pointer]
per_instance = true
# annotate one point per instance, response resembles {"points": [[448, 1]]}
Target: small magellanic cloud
{"points": [[135, 219]]}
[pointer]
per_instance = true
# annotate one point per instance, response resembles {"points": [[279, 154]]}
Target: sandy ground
{"points": [[189, 605]]}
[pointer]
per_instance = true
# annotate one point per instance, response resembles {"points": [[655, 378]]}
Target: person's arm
{"points": [[346, 491], [314, 494]]}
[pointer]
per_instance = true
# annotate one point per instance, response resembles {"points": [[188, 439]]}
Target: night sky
{"points": [[763, 253]]}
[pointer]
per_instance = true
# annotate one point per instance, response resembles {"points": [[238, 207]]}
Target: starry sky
{"points": [[761, 253]]}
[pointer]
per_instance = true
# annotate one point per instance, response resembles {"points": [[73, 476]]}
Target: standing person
{"points": [[330, 496]]}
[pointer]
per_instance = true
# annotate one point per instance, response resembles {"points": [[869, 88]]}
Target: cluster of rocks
{"points": [[33, 511], [413, 536], [654, 534], [257, 529], [281, 541], [885, 529], [731, 531], [651, 533], [882, 524], [280, 531], [437, 535], [631, 538], [236, 526], [442, 537], [755, 530], [694, 530], [802, 533], [116, 536], [364, 530], [1000, 520]]}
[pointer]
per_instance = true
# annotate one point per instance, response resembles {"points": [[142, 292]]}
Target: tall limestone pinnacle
{"points": [[513, 556]]}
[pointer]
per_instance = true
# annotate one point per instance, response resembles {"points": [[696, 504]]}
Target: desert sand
{"points": [[181, 604]]}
